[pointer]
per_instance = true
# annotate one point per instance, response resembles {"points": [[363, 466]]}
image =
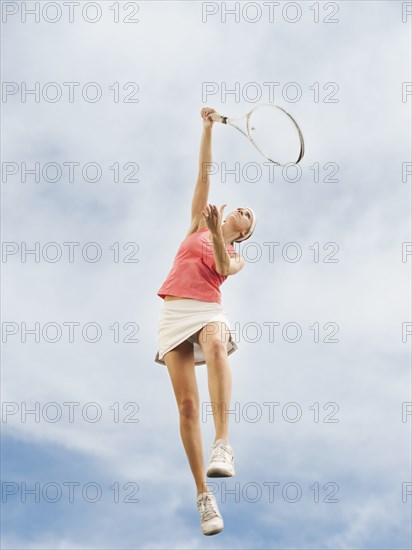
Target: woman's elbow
{"points": [[234, 268]]}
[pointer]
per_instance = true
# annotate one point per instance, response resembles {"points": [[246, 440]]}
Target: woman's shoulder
{"points": [[196, 227]]}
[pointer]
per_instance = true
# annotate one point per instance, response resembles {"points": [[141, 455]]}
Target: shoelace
{"points": [[207, 508], [223, 452]]}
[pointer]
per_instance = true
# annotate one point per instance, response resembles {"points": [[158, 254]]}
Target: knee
{"points": [[217, 350], [188, 409]]}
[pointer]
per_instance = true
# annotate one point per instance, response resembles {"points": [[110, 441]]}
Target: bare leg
{"points": [[180, 364], [213, 342]]}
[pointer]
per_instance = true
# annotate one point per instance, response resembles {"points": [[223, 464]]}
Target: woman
{"points": [[194, 329]]}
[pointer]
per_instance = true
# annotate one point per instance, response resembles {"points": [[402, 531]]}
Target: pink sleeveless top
{"points": [[193, 274]]}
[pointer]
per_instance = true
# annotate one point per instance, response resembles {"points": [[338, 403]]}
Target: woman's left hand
{"points": [[213, 217]]}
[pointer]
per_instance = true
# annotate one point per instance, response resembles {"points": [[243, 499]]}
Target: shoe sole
{"points": [[215, 471], [214, 532]]}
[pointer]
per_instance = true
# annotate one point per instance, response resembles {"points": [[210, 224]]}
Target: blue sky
{"points": [[361, 380]]}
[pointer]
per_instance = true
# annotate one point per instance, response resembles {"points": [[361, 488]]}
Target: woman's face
{"points": [[240, 220]]}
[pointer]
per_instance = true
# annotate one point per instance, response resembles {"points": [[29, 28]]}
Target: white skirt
{"points": [[182, 320]]}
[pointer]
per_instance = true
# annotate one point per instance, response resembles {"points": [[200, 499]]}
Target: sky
{"points": [[321, 313]]}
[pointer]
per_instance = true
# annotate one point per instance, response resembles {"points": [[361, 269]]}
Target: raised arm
{"points": [[201, 192]]}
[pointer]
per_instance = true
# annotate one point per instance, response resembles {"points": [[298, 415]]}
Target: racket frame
{"points": [[231, 121]]}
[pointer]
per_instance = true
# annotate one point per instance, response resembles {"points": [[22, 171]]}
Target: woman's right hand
{"points": [[204, 113]]}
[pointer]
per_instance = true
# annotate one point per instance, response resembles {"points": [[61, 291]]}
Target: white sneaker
{"points": [[221, 460], [211, 522]]}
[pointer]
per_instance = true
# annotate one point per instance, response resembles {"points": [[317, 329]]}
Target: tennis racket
{"points": [[273, 131]]}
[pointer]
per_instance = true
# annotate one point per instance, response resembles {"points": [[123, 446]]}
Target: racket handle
{"points": [[218, 118]]}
